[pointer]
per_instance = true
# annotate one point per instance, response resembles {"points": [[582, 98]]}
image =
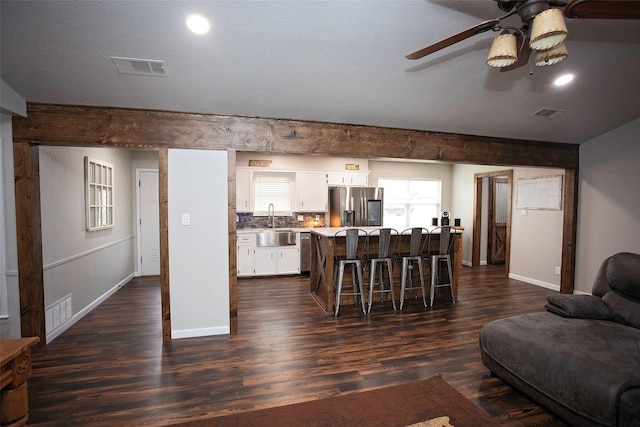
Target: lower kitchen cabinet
{"points": [[265, 261], [280, 260], [246, 244]]}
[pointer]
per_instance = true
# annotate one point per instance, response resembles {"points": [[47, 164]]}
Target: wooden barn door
{"points": [[498, 208]]}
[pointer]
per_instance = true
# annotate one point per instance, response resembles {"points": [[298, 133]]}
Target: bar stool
{"points": [[442, 255], [378, 260], [352, 238], [419, 237]]}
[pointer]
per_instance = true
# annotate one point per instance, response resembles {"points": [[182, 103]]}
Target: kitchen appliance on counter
{"points": [[355, 206]]}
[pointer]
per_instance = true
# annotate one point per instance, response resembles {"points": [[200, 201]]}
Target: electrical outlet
{"points": [[523, 212], [557, 270], [300, 217]]}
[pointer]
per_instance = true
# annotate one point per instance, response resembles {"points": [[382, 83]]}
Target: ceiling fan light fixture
{"points": [[551, 56], [503, 52], [548, 29]]}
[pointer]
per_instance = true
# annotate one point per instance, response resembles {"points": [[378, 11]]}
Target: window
{"points": [[410, 202], [272, 187], [99, 182]]}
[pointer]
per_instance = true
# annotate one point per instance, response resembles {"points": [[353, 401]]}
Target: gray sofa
{"points": [[581, 357]]}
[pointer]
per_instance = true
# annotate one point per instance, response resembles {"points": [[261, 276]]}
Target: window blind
{"points": [[273, 188]]}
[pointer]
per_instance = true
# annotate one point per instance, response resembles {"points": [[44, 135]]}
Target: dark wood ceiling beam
{"points": [[50, 124]]}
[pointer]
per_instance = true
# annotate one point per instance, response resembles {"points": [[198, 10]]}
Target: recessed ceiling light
{"points": [[563, 80], [198, 24]]}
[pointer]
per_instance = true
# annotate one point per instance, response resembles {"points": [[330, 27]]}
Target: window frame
{"points": [[99, 179], [408, 205]]}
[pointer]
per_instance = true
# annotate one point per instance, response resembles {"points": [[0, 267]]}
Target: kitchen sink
{"points": [[273, 238]]}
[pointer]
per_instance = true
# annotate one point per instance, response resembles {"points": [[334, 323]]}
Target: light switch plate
{"points": [[186, 219]]}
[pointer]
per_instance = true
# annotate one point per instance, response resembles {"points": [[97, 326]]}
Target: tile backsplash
{"points": [[247, 220]]}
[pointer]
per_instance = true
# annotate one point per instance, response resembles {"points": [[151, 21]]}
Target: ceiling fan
{"points": [[543, 29]]}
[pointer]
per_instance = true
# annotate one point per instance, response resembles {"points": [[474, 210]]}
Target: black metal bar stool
{"points": [[377, 262], [419, 237], [442, 255], [352, 238]]}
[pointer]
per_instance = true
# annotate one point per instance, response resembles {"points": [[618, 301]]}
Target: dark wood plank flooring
{"points": [[112, 369]]}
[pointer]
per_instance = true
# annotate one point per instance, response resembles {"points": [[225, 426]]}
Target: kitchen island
{"points": [[324, 248]]}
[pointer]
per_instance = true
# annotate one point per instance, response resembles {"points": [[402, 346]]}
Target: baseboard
{"points": [[466, 263], [200, 332], [79, 315], [535, 282]]}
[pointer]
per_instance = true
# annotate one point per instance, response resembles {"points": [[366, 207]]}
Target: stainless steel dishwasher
{"points": [[305, 252]]}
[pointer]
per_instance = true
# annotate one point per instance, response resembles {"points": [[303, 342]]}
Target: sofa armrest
{"points": [[577, 306]]}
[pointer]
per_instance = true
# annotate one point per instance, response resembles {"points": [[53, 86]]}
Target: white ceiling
{"points": [[334, 61]]}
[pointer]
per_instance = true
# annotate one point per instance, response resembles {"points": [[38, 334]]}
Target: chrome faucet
{"points": [[272, 213]]}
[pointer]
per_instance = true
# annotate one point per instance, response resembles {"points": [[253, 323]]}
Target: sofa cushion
{"points": [[623, 309], [581, 365], [623, 273]]}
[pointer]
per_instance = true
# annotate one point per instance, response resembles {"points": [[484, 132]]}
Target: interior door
{"points": [[496, 252], [148, 222]]}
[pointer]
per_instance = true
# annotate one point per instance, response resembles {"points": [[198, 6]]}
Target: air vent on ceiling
{"points": [[548, 113], [147, 67]]}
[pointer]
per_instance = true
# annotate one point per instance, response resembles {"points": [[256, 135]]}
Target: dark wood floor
{"points": [[112, 369]]}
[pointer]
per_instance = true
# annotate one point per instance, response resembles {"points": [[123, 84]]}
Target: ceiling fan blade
{"points": [[462, 35], [524, 53], [603, 9]]}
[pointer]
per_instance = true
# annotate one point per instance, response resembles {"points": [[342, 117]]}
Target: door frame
{"points": [[477, 216], [138, 217]]}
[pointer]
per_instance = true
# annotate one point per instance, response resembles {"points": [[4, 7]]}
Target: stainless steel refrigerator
{"points": [[355, 206]]}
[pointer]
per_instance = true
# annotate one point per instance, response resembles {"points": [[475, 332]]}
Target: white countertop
{"points": [[260, 230], [331, 231], [323, 231]]}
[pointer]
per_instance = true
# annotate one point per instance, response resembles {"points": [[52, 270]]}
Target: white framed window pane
{"points": [[410, 202], [99, 179]]}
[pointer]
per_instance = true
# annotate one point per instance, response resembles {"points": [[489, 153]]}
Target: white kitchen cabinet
{"points": [[351, 179], [312, 193], [243, 190], [280, 260], [245, 245], [265, 261], [288, 261]]}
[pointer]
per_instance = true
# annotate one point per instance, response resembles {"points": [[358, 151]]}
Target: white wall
{"points": [[462, 199], [9, 280], [11, 104], [415, 170], [198, 253], [609, 200], [296, 162], [536, 238], [81, 268]]}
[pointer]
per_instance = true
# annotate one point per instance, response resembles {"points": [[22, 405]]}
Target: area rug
{"points": [[431, 402]]}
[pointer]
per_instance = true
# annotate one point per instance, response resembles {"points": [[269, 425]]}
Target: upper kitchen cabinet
{"points": [[243, 190], [312, 192], [349, 179]]}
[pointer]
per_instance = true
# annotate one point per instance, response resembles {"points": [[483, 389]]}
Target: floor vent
{"points": [[548, 113], [146, 67]]}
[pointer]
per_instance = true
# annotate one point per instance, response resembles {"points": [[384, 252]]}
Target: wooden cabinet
{"points": [[351, 179], [245, 245], [243, 190], [312, 193]]}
